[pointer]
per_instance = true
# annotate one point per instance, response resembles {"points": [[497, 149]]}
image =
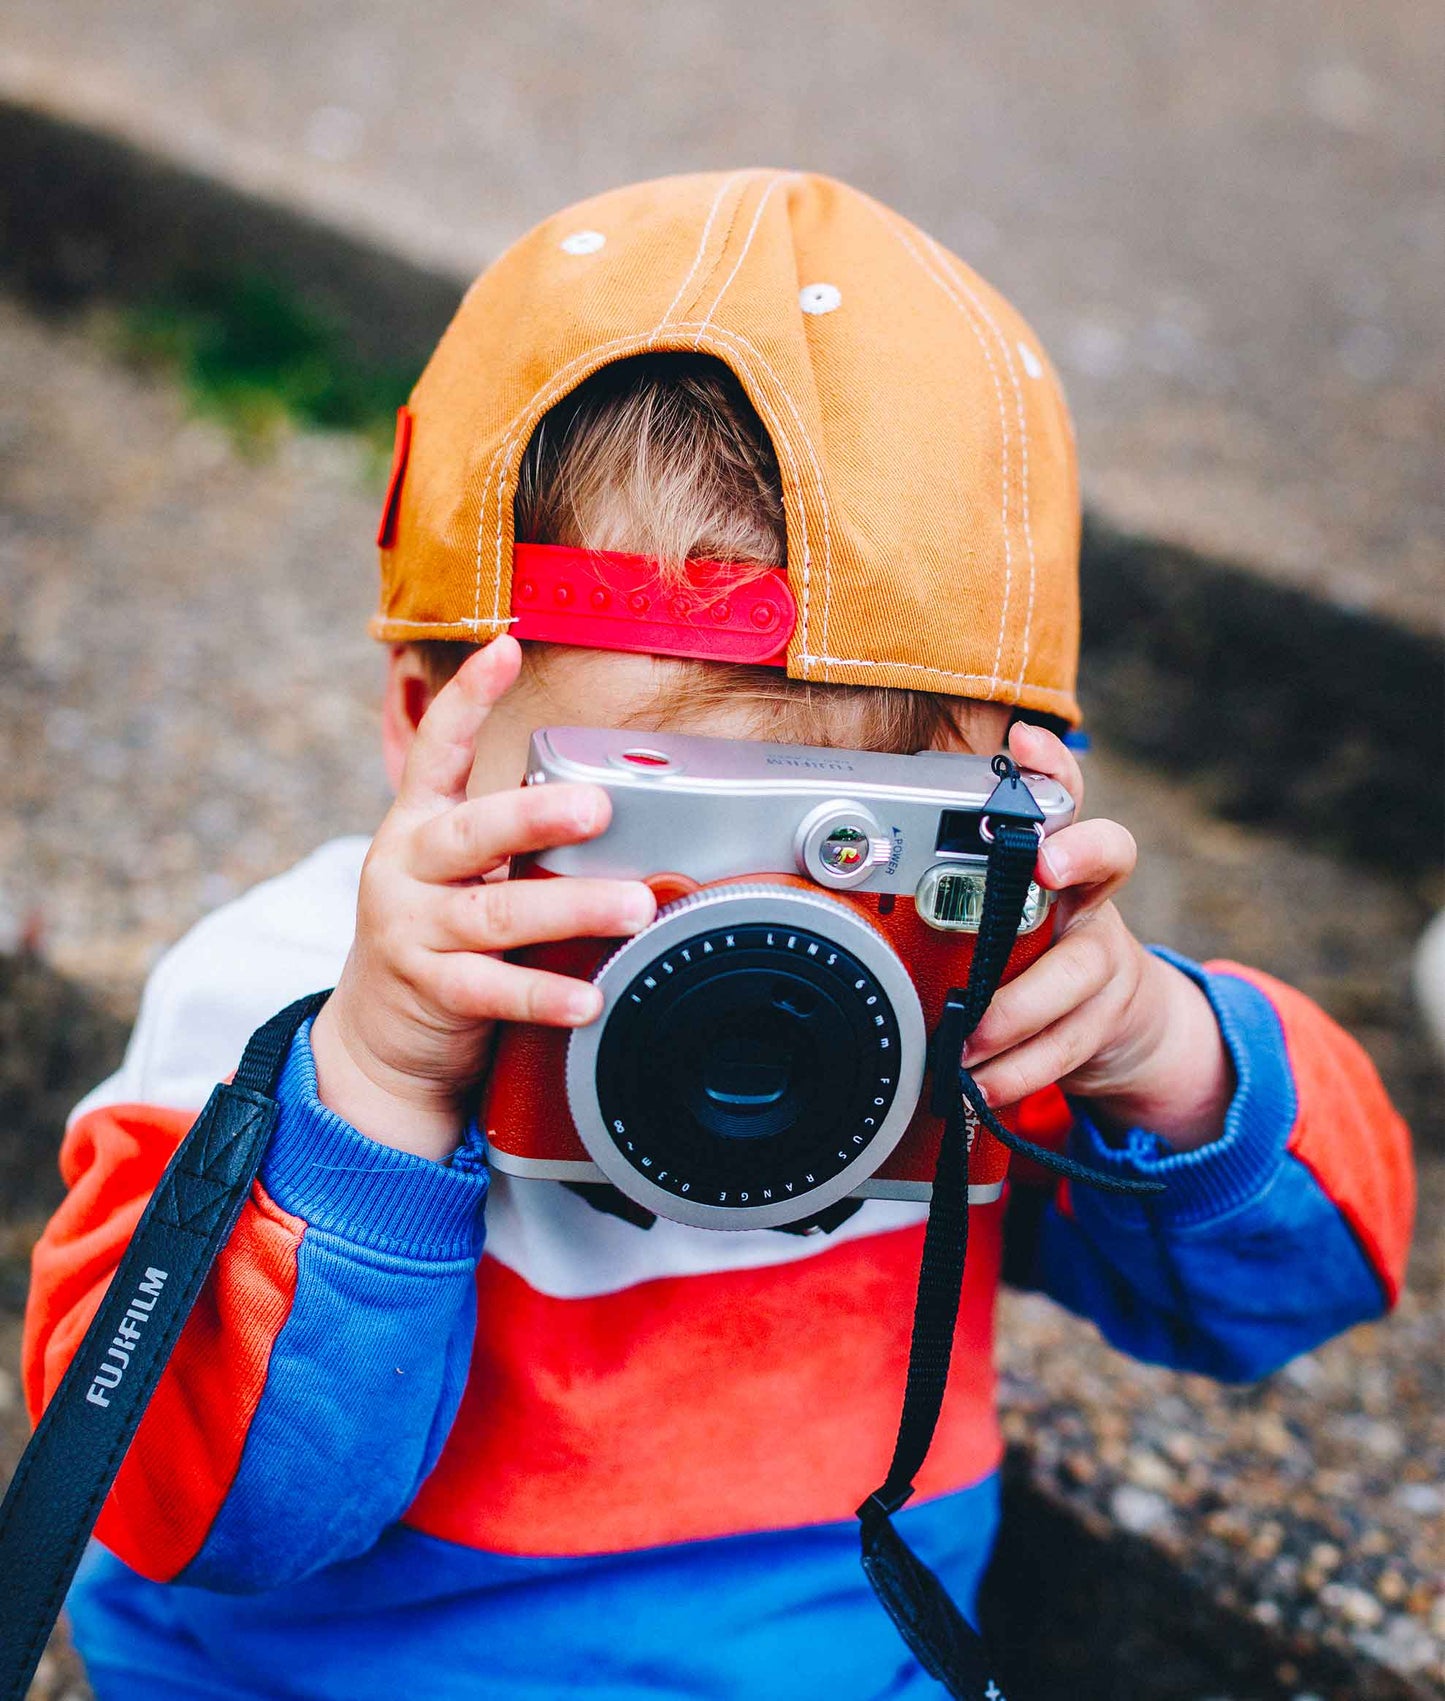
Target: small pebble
{"points": [[1391, 1587], [1079, 1468], [1138, 1510], [1148, 1470], [1424, 1499], [1181, 1447], [1355, 1606]]}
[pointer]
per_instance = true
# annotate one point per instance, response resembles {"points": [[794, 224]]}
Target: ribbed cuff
{"points": [[321, 1169], [1215, 1179]]}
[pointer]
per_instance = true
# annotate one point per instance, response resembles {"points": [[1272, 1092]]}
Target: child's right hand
{"points": [[406, 1034]]}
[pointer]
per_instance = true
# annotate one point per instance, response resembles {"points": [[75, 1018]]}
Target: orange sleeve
{"points": [[1346, 1132], [188, 1447]]}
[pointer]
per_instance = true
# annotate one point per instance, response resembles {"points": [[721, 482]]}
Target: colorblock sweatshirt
{"points": [[438, 1433]]}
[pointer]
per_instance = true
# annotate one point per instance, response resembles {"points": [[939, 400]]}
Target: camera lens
{"points": [[748, 1069], [746, 1052]]}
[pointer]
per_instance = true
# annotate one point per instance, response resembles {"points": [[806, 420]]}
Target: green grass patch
{"points": [[259, 358]]}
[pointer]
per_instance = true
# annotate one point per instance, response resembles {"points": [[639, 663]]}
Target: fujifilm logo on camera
{"points": [[822, 764]]}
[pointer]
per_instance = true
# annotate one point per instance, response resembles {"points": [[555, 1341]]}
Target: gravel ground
{"points": [[188, 698]]}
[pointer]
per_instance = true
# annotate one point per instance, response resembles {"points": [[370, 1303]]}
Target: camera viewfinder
{"points": [[958, 834]]}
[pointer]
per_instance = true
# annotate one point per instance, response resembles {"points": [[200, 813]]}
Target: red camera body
{"points": [[525, 1115], [763, 1044]]}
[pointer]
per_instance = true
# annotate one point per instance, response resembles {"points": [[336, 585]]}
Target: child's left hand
{"points": [[1097, 1013]]}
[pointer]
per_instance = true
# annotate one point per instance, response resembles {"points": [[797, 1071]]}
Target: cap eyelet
{"points": [[820, 298]]}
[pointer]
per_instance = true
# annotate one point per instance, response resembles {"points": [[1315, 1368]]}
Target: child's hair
{"points": [[664, 456]]}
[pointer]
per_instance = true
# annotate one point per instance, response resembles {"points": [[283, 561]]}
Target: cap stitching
{"points": [[995, 678], [690, 306], [763, 200], [543, 398], [950, 265], [969, 320], [717, 201], [920, 667], [496, 469], [818, 485], [559, 380]]}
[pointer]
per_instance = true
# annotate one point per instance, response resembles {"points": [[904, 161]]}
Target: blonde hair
{"points": [[664, 456]]}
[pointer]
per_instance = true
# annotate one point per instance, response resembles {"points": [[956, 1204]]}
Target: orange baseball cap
{"points": [[929, 481]]}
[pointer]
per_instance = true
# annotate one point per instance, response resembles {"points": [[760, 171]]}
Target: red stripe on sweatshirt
{"points": [[706, 1405], [1346, 1133], [188, 1447]]}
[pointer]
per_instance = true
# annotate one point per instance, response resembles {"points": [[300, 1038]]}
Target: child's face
{"points": [[577, 687]]}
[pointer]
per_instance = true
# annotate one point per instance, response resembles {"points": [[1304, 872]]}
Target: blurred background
{"points": [[229, 236]]}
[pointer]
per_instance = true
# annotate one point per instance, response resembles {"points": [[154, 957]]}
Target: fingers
{"points": [[442, 753], [484, 989], [1062, 1015], [504, 915], [1089, 862], [1073, 971], [1036, 748], [475, 837], [1050, 1056]]}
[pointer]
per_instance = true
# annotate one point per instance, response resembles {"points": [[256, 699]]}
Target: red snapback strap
{"points": [[603, 600]]}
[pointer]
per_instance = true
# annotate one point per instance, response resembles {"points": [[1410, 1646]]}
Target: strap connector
{"points": [[1010, 800], [883, 1504], [947, 1052]]}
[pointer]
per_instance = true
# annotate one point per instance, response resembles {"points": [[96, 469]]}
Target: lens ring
{"points": [[736, 908]]}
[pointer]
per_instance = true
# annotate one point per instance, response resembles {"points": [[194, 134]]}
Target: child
{"points": [[599, 1457]]}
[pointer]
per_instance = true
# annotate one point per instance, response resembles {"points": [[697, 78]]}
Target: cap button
{"points": [[820, 298]]}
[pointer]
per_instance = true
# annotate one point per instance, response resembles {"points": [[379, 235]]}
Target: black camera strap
{"points": [[941, 1638], [66, 1471]]}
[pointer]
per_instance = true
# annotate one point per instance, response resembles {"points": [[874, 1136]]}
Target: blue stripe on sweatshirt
{"points": [[1244, 1261], [368, 1370], [785, 1616]]}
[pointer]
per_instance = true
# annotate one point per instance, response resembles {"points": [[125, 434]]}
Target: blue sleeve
{"points": [[1244, 1261], [367, 1371]]}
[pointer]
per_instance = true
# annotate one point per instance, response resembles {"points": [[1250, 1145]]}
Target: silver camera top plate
{"points": [[749, 807]]}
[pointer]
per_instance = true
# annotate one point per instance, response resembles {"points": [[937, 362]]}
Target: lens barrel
{"points": [[759, 1055]]}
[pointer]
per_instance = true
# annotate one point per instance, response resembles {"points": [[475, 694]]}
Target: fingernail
{"points": [[583, 1004], [587, 813], [637, 910], [1054, 866]]}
